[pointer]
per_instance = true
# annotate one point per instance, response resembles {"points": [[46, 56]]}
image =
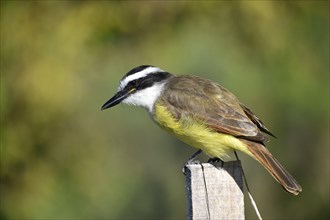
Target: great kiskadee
{"points": [[202, 114]]}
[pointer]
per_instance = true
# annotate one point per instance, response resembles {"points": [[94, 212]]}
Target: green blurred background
{"points": [[62, 158]]}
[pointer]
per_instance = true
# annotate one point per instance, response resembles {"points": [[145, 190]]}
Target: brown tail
{"points": [[274, 167]]}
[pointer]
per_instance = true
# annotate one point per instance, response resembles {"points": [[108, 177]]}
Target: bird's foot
{"points": [[215, 160]]}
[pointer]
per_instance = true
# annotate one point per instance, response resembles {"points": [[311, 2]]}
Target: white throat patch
{"points": [[145, 98]]}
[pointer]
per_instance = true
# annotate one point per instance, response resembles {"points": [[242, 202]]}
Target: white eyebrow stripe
{"points": [[138, 75]]}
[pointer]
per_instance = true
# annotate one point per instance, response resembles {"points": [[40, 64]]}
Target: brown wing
{"points": [[209, 102], [256, 120]]}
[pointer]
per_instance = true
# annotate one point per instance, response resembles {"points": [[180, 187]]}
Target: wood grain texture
{"points": [[215, 191]]}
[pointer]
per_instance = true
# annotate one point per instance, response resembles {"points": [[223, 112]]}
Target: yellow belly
{"points": [[197, 135]]}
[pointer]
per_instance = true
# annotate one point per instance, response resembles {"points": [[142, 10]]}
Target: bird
{"points": [[201, 113]]}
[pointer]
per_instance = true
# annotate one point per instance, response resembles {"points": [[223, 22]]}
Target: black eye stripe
{"points": [[151, 79], [131, 85], [147, 81]]}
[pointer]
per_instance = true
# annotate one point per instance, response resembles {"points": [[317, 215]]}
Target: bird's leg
{"points": [[193, 157], [191, 160]]}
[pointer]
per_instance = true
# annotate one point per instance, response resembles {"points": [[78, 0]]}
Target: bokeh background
{"points": [[62, 158]]}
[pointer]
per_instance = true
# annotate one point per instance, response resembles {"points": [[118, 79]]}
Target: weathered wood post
{"points": [[215, 191]]}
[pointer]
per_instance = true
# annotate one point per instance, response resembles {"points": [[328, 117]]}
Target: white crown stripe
{"points": [[138, 75]]}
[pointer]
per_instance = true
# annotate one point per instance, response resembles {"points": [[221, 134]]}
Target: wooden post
{"points": [[215, 191]]}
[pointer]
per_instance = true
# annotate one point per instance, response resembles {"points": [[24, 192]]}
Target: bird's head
{"points": [[141, 86]]}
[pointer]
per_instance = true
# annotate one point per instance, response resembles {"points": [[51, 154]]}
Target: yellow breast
{"points": [[196, 133]]}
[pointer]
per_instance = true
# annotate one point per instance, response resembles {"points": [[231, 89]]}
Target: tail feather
{"points": [[282, 176]]}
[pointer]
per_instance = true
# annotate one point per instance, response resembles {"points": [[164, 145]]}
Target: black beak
{"points": [[116, 99]]}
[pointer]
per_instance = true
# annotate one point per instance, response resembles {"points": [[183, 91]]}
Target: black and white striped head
{"points": [[141, 86]]}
